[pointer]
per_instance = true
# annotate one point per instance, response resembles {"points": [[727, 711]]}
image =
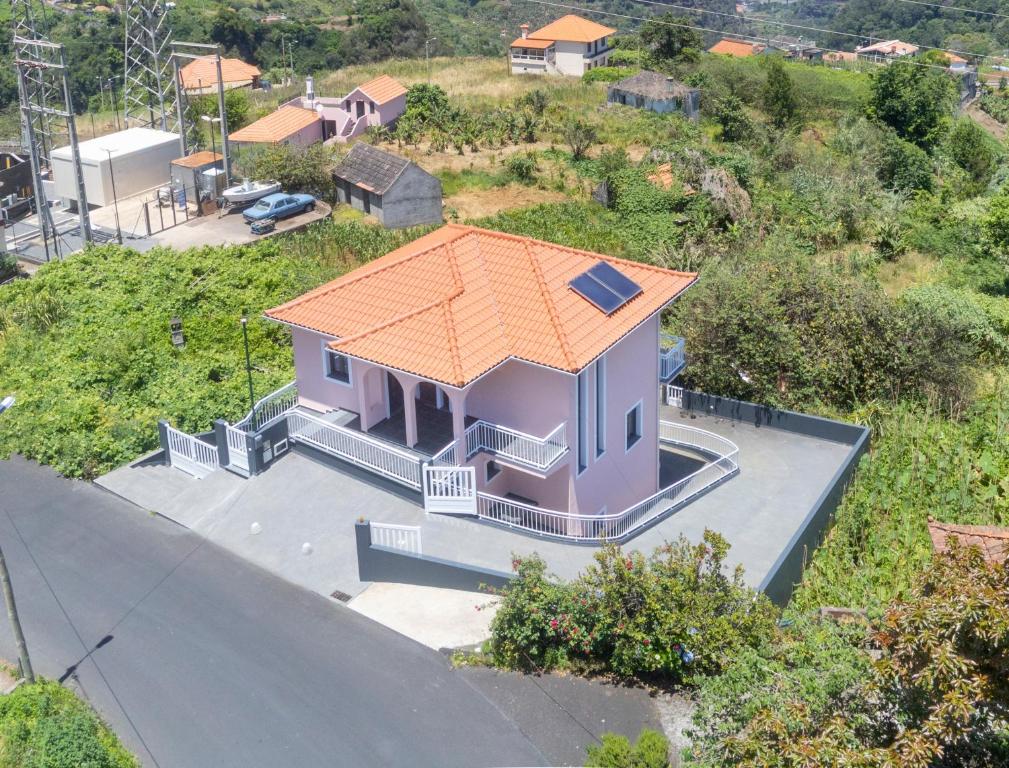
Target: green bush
{"points": [[812, 664], [45, 726], [615, 751], [85, 344], [793, 333], [676, 614], [607, 74], [903, 166], [966, 315], [522, 167]]}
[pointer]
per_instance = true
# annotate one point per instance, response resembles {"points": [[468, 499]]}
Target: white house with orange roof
{"points": [[571, 45], [199, 76]]}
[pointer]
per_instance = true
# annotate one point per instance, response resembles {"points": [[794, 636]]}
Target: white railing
{"points": [[527, 57], [672, 356], [621, 525], [450, 490], [238, 448], [405, 538], [270, 408], [191, 454], [357, 448], [446, 457], [674, 396], [537, 452]]}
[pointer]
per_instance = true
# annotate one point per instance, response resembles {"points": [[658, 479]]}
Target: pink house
{"points": [[501, 376], [377, 102]]}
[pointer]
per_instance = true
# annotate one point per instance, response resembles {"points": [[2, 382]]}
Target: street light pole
{"points": [[12, 609], [115, 198], [290, 52], [427, 56], [213, 141], [248, 371]]}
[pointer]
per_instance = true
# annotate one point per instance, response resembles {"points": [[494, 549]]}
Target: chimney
{"points": [[525, 30], [310, 88]]}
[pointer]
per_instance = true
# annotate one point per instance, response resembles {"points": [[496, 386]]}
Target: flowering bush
{"points": [[675, 614]]}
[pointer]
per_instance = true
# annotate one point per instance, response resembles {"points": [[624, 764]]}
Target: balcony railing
{"points": [[528, 57], [672, 356], [271, 407], [537, 452], [620, 526]]}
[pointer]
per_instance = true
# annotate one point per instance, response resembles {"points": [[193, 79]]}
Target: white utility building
{"points": [[137, 159]]}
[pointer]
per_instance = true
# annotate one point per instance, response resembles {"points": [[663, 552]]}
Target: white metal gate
{"points": [[238, 450], [405, 538], [450, 490], [191, 455]]}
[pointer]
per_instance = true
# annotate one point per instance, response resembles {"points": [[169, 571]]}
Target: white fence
{"points": [[538, 452], [672, 356], [674, 396], [620, 525], [405, 538], [357, 448], [270, 408], [450, 490], [238, 449], [191, 454]]}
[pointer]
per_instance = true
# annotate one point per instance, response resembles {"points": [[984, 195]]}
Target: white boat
{"points": [[249, 191]]}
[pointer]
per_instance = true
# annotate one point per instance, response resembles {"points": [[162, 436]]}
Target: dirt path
{"points": [[986, 121]]}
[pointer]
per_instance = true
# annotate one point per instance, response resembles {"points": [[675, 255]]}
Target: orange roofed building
{"points": [[738, 48], [571, 45], [287, 125], [199, 76], [496, 373]]}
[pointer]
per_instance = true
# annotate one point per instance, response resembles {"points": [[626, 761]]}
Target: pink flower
{"points": [[553, 623], [646, 641], [629, 564]]}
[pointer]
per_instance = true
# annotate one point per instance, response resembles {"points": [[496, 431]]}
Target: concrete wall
{"points": [[689, 105], [414, 199], [570, 58]]}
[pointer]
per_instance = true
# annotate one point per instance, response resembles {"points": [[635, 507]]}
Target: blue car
{"points": [[279, 205]]}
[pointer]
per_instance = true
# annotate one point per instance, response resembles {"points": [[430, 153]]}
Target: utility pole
{"points": [[283, 62], [248, 372], [427, 56], [24, 659], [179, 51]]}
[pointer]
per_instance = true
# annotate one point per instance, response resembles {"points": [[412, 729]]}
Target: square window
{"points": [[633, 426], [337, 367]]}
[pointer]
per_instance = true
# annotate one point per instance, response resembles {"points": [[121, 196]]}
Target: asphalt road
{"points": [[197, 658]]}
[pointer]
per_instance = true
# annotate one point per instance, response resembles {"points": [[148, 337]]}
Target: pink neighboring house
{"points": [[377, 102], [524, 372]]}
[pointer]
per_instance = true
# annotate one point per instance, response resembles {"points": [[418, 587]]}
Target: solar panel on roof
{"points": [[598, 294], [616, 281]]}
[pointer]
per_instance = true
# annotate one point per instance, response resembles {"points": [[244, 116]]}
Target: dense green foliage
{"points": [[616, 751], [85, 344], [45, 726], [937, 697], [676, 615], [298, 169], [915, 101]]}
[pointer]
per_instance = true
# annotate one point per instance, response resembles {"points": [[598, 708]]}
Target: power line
{"points": [[800, 26], [955, 8], [745, 38]]}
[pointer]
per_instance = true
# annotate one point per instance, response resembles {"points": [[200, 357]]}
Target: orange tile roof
{"points": [[992, 541], [663, 176], [197, 159], [382, 89], [276, 126], [572, 29], [528, 42], [202, 72], [454, 303], [732, 48]]}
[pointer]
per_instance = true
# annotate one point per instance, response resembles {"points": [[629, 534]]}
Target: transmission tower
{"points": [[149, 91], [27, 27]]}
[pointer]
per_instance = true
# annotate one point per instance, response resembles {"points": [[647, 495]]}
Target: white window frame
{"points": [[638, 425], [600, 407], [582, 420], [325, 366]]}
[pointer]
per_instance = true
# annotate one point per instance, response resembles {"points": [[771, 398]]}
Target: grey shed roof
{"points": [[371, 168], [653, 85]]}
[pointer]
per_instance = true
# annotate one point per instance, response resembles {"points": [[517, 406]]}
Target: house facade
{"points": [[886, 50], [394, 190], [656, 92], [288, 125], [379, 101], [571, 45], [199, 76]]}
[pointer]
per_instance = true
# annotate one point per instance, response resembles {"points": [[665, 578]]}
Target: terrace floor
{"points": [[310, 498]]}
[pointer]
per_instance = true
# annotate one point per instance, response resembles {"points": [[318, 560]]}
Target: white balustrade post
{"points": [[458, 401]]}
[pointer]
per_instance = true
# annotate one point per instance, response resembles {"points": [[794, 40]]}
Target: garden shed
{"points": [[394, 190], [657, 92]]}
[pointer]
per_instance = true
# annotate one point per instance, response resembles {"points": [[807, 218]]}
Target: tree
{"points": [[939, 695], [970, 147], [670, 38], [915, 101], [995, 224], [730, 114], [235, 32], [778, 95], [424, 101], [579, 136], [298, 169]]}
